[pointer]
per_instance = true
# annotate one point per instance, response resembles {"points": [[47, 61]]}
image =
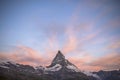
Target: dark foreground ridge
{"points": [[59, 69]]}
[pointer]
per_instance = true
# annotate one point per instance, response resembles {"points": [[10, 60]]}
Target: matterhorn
{"points": [[59, 63]]}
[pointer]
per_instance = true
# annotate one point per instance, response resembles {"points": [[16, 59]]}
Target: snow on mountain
{"points": [[7, 63], [4, 66], [57, 67], [91, 74], [74, 68]]}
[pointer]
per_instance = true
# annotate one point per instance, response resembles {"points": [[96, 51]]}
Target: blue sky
{"points": [[76, 27]]}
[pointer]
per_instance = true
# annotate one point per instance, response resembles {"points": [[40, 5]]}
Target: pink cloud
{"points": [[81, 62], [24, 55], [107, 62]]}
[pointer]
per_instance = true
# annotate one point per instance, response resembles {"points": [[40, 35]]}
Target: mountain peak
{"points": [[59, 51], [58, 58], [59, 62], [59, 54]]}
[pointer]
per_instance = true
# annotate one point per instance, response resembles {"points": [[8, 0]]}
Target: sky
{"points": [[87, 32]]}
